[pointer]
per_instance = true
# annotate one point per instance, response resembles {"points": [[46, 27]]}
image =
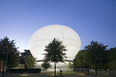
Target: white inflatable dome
{"points": [[45, 35]]}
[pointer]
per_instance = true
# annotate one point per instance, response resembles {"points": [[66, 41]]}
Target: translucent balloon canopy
{"points": [[45, 35]]}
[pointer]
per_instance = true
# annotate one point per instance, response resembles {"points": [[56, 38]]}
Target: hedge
{"points": [[38, 70]]}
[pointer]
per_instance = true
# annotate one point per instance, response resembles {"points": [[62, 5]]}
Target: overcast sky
{"points": [[91, 19]]}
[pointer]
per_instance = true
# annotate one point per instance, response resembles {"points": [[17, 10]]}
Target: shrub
{"points": [[38, 70]]}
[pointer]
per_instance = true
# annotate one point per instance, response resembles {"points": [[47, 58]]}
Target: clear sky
{"points": [[91, 19]]}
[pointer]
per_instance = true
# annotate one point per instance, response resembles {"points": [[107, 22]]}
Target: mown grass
{"points": [[50, 74]]}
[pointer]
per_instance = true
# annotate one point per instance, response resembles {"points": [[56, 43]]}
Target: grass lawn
{"points": [[44, 74], [50, 76]]}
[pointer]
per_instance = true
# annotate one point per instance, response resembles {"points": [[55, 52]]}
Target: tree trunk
{"points": [[3, 68], [96, 69], [54, 69]]}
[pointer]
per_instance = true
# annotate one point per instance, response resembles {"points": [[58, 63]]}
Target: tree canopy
{"points": [[30, 61], [8, 53], [24, 55], [96, 55], [46, 64], [112, 58], [79, 61], [55, 52]]}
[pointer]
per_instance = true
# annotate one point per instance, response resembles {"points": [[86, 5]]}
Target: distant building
{"points": [[45, 35], [21, 66]]}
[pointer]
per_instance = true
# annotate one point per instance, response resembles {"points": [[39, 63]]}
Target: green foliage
{"points": [[24, 56], [30, 61], [9, 53], [70, 65], [79, 61], [13, 60], [112, 58], [55, 51], [46, 65], [96, 55]]}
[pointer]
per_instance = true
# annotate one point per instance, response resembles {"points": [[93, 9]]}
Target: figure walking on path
{"points": [[60, 72]]}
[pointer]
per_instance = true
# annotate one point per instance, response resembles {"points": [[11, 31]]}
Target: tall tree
{"points": [[24, 56], [96, 55], [13, 60], [111, 59], [8, 53], [55, 52], [30, 61], [79, 61]]}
